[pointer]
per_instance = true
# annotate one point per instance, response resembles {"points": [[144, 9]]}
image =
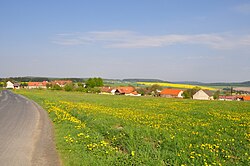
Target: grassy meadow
{"points": [[99, 130]]}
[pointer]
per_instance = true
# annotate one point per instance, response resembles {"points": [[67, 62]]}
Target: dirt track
{"points": [[26, 134]]}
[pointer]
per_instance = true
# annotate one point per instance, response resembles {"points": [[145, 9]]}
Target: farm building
{"points": [[33, 85], [203, 95], [16, 86], [230, 98], [127, 91], [106, 90], [135, 93], [170, 93], [9, 85], [61, 83], [246, 98]]}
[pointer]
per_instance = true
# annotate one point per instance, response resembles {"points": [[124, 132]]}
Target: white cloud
{"points": [[128, 39]]}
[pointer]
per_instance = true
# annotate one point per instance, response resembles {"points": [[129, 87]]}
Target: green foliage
{"points": [[216, 94], [80, 89], [94, 82], [1, 84], [69, 87], [188, 94], [56, 87], [93, 90], [142, 91], [79, 84], [24, 84], [49, 85]]}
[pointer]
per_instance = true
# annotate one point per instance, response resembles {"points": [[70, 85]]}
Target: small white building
{"points": [[9, 85], [203, 95]]}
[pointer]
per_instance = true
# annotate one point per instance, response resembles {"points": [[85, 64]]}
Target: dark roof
{"points": [[209, 93], [16, 84]]}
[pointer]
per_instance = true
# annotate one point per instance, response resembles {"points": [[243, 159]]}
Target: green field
{"points": [[95, 129]]}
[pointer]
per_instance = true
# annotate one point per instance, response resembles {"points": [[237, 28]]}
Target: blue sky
{"points": [[181, 40]]}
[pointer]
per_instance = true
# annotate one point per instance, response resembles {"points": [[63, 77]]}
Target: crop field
{"points": [[181, 86], [99, 130]]}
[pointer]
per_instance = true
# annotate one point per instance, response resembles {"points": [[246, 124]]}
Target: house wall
{"points": [[200, 95], [180, 94], [167, 96], [10, 85], [34, 87]]}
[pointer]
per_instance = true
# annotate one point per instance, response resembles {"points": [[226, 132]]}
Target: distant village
{"points": [[196, 94]]}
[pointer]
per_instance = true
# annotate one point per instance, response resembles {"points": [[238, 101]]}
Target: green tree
{"points": [[68, 87], [49, 85], [56, 87], [216, 94], [188, 94], [142, 91], [94, 82]]}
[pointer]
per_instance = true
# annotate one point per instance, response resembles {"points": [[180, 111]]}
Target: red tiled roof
{"points": [[247, 98], [228, 97], [126, 90], [61, 82], [37, 83], [106, 89], [172, 92]]}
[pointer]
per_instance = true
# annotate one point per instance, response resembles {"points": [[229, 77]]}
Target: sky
{"points": [[172, 40]]}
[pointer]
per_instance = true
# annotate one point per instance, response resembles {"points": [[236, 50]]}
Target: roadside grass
{"points": [[120, 130]]}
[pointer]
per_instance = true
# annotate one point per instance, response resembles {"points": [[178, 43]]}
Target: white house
{"points": [[10, 85], [203, 95]]}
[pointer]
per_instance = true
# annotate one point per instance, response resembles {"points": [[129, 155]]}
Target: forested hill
{"points": [[39, 79], [247, 83], [142, 80]]}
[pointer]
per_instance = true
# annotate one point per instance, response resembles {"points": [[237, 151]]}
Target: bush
{"points": [[68, 87], [56, 87]]}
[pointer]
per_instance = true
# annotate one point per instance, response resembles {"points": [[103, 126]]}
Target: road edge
{"points": [[44, 152]]}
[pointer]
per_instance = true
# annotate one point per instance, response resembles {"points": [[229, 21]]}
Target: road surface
{"points": [[26, 134]]}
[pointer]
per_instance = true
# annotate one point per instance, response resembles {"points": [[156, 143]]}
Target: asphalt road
{"points": [[26, 134]]}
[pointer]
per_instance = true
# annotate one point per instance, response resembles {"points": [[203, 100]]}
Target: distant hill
{"points": [[243, 84], [39, 79], [143, 80]]}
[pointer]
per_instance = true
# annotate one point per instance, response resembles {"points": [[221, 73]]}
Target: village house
{"points": [[134, 93], [230, 98], [246, 98], [203, 95], [16, 86], [61, 83], [106, 90], [9, 85], [171, 93], [34, 85], [127, 91]]}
